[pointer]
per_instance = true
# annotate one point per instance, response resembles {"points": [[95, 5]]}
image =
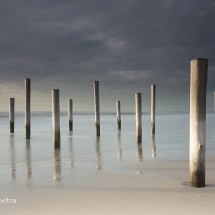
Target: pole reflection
{"points": [[98, 153], [28, 159], [119, 149], [12, 157], [71, 150], [139, 152], [153, 145], [57, 165]]}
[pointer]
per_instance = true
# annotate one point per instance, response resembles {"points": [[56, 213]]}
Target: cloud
{"points": [[71, 43], [131, 75], [8, 87]]}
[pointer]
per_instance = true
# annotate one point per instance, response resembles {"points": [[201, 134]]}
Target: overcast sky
{"points": [[126, 45]]}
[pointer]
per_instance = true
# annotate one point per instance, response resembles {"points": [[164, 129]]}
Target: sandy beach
{"points": [[109, 175], [159, 187], [107, 107]]}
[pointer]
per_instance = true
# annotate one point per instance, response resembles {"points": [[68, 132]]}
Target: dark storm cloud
{"points": [[124, 44]]}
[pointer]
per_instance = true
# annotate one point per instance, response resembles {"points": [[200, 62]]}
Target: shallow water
{"points": [[81, 149]]}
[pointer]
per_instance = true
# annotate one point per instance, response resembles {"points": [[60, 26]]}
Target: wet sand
{"points": [[109, 175], [92, 186]]}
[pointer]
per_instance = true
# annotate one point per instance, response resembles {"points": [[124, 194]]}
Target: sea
{"points": [[81, 149]]}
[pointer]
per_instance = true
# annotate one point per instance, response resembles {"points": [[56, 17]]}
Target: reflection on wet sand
{"points": [[139, 152], [71, 150], [57, 165], [153, 145], [119, 149], [28, 159], [98, 153], [12, 158]]}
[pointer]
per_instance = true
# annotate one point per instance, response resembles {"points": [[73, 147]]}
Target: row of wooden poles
{"points": [[198, 85], [56, 113], [138, 105]]}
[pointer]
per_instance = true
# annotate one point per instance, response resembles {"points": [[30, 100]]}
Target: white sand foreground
{"points": [[157, 187]]}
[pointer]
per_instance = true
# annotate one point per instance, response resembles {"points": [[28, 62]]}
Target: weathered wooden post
{"points": [[153, 89], [27, 108], [198, 85], [138, 102], [96, 106], [56, 118], [70, 114], [11, 114], [118, 114]]}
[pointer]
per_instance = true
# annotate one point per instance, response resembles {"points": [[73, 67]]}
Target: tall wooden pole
{"points": [[153, 88], [27, 108], [70, 114], [138, 102], [96, 106], [11, 114], [56, 118], [198, 85], [118, 114]]}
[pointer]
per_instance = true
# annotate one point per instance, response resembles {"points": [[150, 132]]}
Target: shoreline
{"points": [[106, 175], [156, 187]]}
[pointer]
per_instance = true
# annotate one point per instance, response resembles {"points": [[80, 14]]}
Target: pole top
{"points": [[204, 59]]}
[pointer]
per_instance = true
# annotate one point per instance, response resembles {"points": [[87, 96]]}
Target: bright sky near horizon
{"points": [[126, 45]]}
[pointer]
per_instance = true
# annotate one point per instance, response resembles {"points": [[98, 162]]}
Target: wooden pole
{"points": [[118, 114], [96, 106], [56, 118], [27, 108], [70, 114], [11, 114], [138, 102], [153, 89], [198, 85]]}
